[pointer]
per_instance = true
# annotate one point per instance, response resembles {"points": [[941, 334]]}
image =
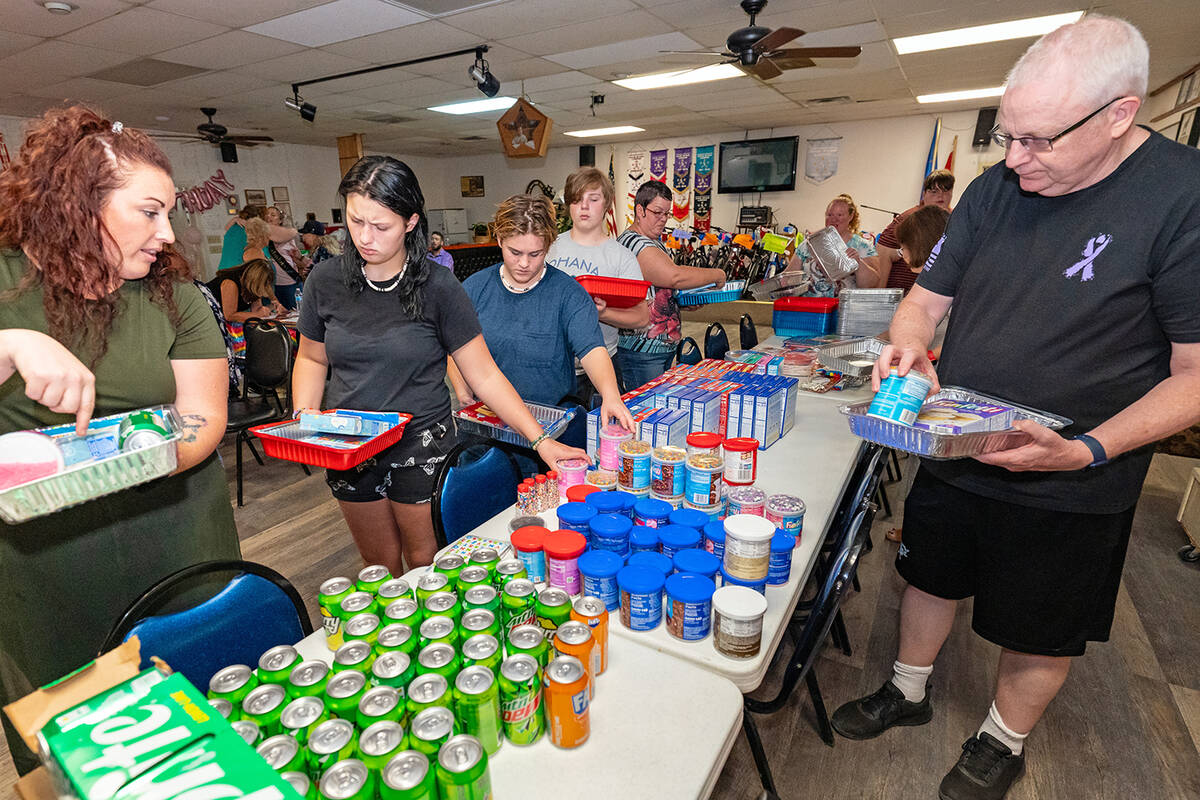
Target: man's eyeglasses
{"points": [[1042, 144]]}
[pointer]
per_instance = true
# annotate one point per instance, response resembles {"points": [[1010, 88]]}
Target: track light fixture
{"points": [[308, 112], [483, 78]]}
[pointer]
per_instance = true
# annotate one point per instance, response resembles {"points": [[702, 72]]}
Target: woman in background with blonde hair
{"points": [[842, 215]]}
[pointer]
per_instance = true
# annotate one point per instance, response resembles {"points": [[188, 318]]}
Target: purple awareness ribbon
{"points": [[1094, 247]]}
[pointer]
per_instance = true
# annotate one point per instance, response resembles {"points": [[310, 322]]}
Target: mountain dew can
{"points": [[530, 640], [372, 577], [431, 729], [473, 576], [462, 771], [393, 669], [510, 569], [482, 650], [330, 597], [393, 590], [249, 731], [140, 429], [301, 783], [223, 707], [355, 656], [438, 629], [380, 742], [450, 565], [308, 679], [477, 621], [521, 699], [264, 705], [439, 658], [430, 584], [232, 683], [517, 600], [477, 706], [405, 610], [443, 604], [396, 638], [426, 691], [408, 776], [283, 753], [482, 597], [553, 608], [301, 716], [380, 703], [348, 779], [332, 741], [344, 691], [275, 665], [486, 557]]}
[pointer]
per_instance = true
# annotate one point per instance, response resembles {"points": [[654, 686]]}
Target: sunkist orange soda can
{"points": [[592, 611], [565, 694]]}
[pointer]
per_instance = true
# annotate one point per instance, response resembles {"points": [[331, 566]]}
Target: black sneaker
{"points": [[985, 770], [867, 717]]}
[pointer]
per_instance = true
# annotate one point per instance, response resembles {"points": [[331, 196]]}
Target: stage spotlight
{"points": [[484, 79], [308, 112]]}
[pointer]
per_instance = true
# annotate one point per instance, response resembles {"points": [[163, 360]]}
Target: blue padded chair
{"points": [[475, 483], [257, 610]]}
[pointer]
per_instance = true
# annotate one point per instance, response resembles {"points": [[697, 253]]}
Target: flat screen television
{"points": [[758, 165]]}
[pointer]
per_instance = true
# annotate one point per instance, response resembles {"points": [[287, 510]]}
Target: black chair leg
{"points": [[814, 691], [883, 501], [756, 748], [307, 471], [839, 625], [895, 461], [238, 438], [856, 584], [253, 451]]}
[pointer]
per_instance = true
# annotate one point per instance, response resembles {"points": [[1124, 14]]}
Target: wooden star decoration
{"points": [[524, 131]]}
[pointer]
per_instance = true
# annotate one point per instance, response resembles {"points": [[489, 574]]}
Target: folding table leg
{"points": [[814, 691], [839, 625], [756, 748], [238, 440]]}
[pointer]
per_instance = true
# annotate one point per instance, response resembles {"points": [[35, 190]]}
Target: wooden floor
{"points": [[1126, 725]]}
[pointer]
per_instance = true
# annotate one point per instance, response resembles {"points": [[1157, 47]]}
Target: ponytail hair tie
{"points": [[118, 126]]}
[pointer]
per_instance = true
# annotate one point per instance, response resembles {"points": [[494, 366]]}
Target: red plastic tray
{"points": [[617, 292], [280, 440], [820, 305]]}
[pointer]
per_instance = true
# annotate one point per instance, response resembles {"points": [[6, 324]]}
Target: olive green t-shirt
{"points": [[136, 369]]}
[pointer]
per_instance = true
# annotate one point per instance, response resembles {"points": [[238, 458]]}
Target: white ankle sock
{"points": [[911, 680], [995, 726]]}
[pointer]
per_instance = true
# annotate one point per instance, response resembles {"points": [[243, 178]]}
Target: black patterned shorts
{"points": [[403, 473]]}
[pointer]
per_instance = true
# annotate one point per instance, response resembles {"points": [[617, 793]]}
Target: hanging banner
{"points": [[821, 159], [658, 165], [702, 201], [681, 184], [206, 195], [635, 176]]}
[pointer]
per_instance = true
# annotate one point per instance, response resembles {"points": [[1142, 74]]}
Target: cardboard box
{"points": [[1189, 509]]}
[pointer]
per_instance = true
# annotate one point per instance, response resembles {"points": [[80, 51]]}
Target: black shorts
{"points": [[403, 473], [1044, 582]]}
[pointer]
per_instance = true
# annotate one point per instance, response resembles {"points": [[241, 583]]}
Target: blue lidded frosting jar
{"points": [[651, 513], [696, 561], [599, 569], [689, 518], [653, 560], [641, 597], [611, 532], [779, 568], [576, 516], [759, 586], [714, 539], [643, 540], [606, 502], [689, 606], [628, 501], [674, 538]]}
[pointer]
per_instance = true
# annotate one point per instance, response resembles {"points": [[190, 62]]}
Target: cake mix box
{"points": [[963, 416]]}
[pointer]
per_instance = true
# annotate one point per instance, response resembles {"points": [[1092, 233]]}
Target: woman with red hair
{"points": [[95, 321]]}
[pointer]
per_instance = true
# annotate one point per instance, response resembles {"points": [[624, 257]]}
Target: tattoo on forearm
{"points": [[192, 423]]}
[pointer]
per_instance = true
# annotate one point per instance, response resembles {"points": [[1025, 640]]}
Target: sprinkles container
{"points": [[786, 512], [746, 500], [673, 502], [603, 479], [713, 513], [702, 484], [611, 437], [667, 471], [570, 473], [599, 569], [900, 399], [703, 443], [633, 471]]}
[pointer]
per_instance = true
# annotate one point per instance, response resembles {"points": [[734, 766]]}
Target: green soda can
{"points": [[553, 608], [476, 621], [517, 604], [357, 656], [379, 703], [357, 603], [462, 770], [408, 777], [482, 597], [521, 699], [344, 691], [473, 576], [380, 742], [405, 610], [486, 557], [530, 640], [275, 665], [232, 683], [430, 584], [477, 706], [439, 658], [427, 691], [301, 783], [393, 590], [140, 429], [332, 741], [348, 779], [283, 753], [330, 597], [510, 569], [301, 716], [393, 669], [438, 629], [431, 729], [264, 705], [450, 565], [371, 578], [482, 650], [362, 628], [223, 707], [249, 731], [443, 604], [396, 638], [308, 679]]}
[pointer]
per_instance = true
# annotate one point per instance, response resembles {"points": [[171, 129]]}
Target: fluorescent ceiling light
{"points": [[606, 131], [967, 94], [475, 106], [681, 77], [979, 34]]}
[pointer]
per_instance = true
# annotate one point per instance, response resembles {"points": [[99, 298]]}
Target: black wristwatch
{"points": [[1098, 455]]}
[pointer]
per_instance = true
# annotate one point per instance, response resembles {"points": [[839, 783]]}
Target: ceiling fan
{"points": [[215, 133], [758, 51]]}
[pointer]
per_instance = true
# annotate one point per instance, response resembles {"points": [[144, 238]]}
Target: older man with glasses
{"points": [[1073, 271]]}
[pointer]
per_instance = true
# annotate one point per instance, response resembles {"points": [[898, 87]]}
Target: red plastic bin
{"points": [[818, 305], [616, 292], [281, 440]]}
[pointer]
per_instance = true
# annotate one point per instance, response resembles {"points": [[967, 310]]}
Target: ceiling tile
{"points": [[907, 21], [603, 41], [302, 66], [522, 16], [30, 18], [86, 90], [12, 43], [142, 31], [498, 57], [812, 19], [233, 13], [337, 22], [19, 105], [55, 60], [411, 41], [410, 87], [232, 49], [219, 84]]}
